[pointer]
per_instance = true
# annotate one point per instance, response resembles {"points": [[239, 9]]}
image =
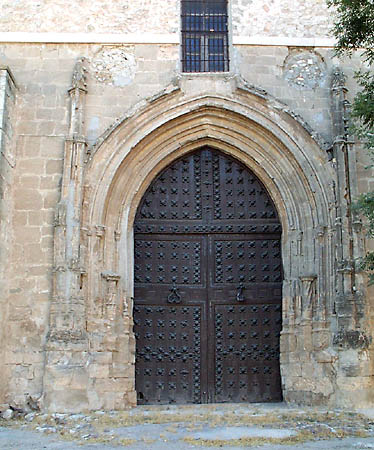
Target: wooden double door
{"points": [[208, 277]]}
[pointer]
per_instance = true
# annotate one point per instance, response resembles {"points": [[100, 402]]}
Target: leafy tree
{"points": [[354, 31]]}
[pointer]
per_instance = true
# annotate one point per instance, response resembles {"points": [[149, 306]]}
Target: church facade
{"points": [[177, 183]]}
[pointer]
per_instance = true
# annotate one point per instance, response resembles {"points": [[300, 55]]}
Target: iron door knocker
{"points": [[239, 294], [174, 296]]}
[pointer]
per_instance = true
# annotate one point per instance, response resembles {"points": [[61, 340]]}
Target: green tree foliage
{"points": [[354, 31]]}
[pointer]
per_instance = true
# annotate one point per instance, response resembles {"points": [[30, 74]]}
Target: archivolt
{"points": [[272, 144]]}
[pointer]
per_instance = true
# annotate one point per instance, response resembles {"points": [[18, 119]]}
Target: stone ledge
{"points": [[153, 38]]}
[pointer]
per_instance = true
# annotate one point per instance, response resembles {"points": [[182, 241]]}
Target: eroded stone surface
{"points": [[298, 18], [305, 70], [114, 65]]}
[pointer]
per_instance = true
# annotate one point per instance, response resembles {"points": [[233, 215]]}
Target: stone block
{"points": [[28, 234], [20, 218], [288, 342], [46, 243], [102, 357], [50, 199], [19, 313], [13, 357], [27, 199], [95, 401], [66, 400], [33, 254], [53, 167], [121, 402], [52, 147], [34, 166], [110, 343], [98, 370], [45, 127], [30, 181], [113, 384], [36, 218], [325, 356], [49, 182], [109, 400], [79, 378], [33, 357], [39, 270], [43, 284], [119, 370], [131, 399]]}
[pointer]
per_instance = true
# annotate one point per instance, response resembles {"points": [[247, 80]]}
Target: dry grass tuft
{"points": [[309, 424]]}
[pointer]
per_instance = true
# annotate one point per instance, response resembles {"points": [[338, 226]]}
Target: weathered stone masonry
{"points": [[85, 129], [7, 163]]}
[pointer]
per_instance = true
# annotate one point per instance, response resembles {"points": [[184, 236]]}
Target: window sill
{"points": [[206, 74]]}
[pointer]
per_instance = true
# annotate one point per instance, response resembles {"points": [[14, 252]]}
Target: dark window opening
{"points": [[204, 36]]}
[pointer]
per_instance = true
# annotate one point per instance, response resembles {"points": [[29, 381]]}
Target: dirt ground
{"points": [[232, 427]]}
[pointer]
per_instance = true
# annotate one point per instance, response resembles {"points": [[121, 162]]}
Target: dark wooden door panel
{"points": [[246, 353], [166, 260], [250, 260], [168, 354], [208, 284]]}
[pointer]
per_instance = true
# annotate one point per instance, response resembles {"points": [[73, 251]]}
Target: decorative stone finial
{"points": [[338, 78], [79, 79]]}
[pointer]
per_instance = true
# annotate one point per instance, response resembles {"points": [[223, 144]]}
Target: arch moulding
{"points": [[295, 170]]}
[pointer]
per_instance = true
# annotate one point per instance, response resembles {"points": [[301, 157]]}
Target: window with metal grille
{"points": [[204, 36]]}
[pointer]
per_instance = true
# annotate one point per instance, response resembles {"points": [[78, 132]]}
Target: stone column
{"points": [[350, 338], [349, 304], [65, 383]]}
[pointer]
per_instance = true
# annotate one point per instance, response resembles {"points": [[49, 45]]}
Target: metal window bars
{"points": [[204, 36]]}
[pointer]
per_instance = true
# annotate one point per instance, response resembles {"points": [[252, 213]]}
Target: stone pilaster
{"points": [[65, 384], [7, 163], [349, 306], [350, 339]]}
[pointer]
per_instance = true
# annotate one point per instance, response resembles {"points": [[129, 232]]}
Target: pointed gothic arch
{"points": [[278, 148]]}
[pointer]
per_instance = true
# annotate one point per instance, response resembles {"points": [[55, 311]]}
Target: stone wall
{"points": [[120, 81], [121, 76], [298, 18], [7, 164]]}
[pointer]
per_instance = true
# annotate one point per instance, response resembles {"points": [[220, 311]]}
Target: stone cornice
{"points": [[153, 38]]}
